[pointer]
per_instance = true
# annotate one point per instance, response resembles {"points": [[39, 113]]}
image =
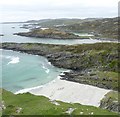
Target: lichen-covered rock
{"points": [[111, 102]]}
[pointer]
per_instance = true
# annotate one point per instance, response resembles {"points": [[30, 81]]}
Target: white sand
{"points": [[67, 91]]}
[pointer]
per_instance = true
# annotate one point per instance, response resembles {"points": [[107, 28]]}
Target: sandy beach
{"points": [[71, 92]]}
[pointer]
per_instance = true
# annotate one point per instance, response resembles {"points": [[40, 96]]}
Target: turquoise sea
{"points": [[20, 70]]}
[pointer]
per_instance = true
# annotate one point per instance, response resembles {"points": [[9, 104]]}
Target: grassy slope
{"points": [[111, 101], [39, 105], [102, 28]]}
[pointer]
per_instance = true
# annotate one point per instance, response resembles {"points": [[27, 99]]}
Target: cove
{"points": [[20, 70]]}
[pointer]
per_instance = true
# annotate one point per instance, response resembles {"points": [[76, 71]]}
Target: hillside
{"points": [[102, 28], [28, 104], [105, 28], [57, 22]]}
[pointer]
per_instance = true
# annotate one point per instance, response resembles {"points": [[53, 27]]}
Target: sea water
{"points": [[20, 70]]}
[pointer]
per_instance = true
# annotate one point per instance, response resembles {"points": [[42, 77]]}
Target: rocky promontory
{"points": [[49, 33], [93, 64]]}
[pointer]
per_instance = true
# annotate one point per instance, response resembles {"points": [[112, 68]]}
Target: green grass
{"points": [[40, 105], [112, 75], [114, 95], [109, 78]]}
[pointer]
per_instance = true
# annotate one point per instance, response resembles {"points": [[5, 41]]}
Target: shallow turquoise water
{"points": [[20, 71]]}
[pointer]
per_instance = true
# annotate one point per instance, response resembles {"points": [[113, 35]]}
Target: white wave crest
{"points": [[27, 89], [46, 69], [14, 60]]}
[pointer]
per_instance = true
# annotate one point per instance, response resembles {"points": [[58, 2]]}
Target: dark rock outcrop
{"points": [[111, 102]]}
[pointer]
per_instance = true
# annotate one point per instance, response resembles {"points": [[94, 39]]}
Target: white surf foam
{"points": [[46, 69], [14, 60], [27, 90]]}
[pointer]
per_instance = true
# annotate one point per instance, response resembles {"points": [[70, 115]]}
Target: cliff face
{"points": [[49, 33]]}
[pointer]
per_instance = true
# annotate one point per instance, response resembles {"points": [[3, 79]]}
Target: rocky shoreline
{"points": [[87, 64], [92, 64]]}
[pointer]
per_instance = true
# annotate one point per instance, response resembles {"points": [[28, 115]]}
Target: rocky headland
{"points": [[49, 33]]}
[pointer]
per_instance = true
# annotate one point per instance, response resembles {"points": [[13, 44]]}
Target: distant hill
{"points": [[101, 28], [58, 22]]}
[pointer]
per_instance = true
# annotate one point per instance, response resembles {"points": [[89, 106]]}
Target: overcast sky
{"points": [[22, 10]]}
